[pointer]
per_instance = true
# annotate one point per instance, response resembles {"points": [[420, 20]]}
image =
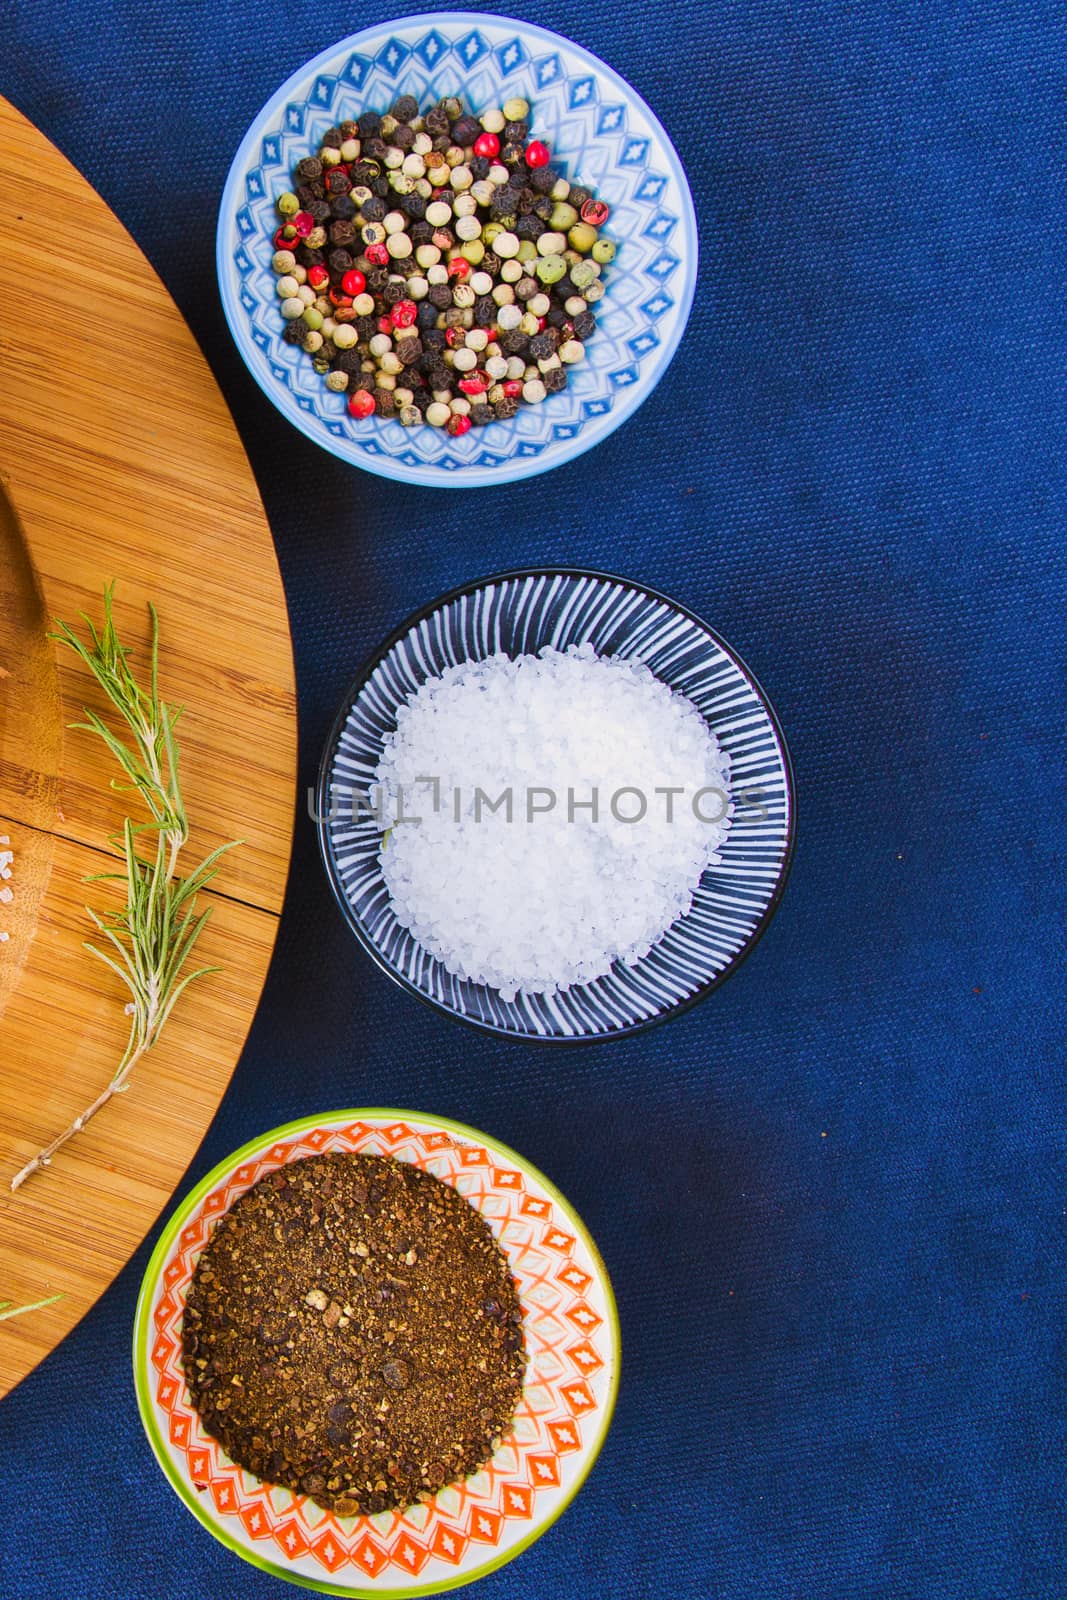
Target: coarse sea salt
{"points": [[7, 857], [541, 895]]}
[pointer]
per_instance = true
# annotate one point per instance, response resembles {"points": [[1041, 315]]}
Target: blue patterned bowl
{"points": [[598, 129], [520, 613]]}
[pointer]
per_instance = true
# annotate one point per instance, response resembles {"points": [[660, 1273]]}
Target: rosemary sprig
{"points": [[148, 941], [7, 1310], [150, 763]]}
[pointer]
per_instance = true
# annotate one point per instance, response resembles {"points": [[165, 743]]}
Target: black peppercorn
{"points": [[465, 130], [435, 121], [526, 201], [409, 350], [442, 142], [319, 212], [514, 342], [293, 332], [310, 258], [556, 317], [309, 169], [542, 179], [342, 233], [413, 205], [505, 409], [349, 130], [404, 137], [337, 182], [374, 149], [343, 207], [542, 345], [578, 196], [307, 192], [340, 261], [529, 228], [434, 339], [363, 172], [366, 328], [426, 316], [380, 187], [384, 402], [377, 278], [516, 132], [584, 324], [349, 361], [333, 139], [440, 295], [420, 232], [441, 377], [480, 167], [554, 380], [485, 309], [405, 108], [394, 291], [374, 209], [480, 413], [491, 263], [369, 124], [512, 155], [543, 207]]}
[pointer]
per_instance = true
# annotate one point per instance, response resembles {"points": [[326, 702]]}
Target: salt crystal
{"points": [[554, 896]]}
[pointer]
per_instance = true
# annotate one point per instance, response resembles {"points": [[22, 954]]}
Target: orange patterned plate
{"points": [[469, 1528]]}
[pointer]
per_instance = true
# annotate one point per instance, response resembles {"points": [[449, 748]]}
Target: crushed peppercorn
{"points": [[353, 1331]]}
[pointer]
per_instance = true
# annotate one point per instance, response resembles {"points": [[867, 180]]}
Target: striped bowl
{"points": [[520, 613]]}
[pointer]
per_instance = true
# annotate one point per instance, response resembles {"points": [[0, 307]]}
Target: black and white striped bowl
{"points": [[519, 613]]}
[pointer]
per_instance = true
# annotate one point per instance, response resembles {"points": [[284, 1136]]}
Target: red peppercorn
{"points": [[353, 282], [318, 277], [337, 298], [454, 336], [377, 255], [459, 267], [303, 222], [285, 236], [487, 144], [361, 404], [475, 384], [595, 212], [403, 313], [384, 325], [513, 389], [537, 154], [458, 424]]}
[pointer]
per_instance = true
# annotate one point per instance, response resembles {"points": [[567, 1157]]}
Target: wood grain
{"points": [[118, 459]]}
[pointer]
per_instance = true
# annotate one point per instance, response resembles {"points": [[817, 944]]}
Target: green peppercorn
{"points": [[550, 269], [337, 381], [473, 251], [313, 318], [288, 205], [582, 237], [563, 216], [583, 273], [604, 251]]}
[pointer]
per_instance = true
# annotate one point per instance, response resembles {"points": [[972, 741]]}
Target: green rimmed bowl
{"points": [[468, 1529]]}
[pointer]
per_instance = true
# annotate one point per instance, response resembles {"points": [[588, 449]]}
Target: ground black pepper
{"points": [[353, 1331]]}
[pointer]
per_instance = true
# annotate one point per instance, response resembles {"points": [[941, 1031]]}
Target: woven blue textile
{"points": [[833, 1197]]}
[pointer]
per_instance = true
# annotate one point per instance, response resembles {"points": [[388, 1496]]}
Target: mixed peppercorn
{"points": [[435, 267], [353, 1331]]}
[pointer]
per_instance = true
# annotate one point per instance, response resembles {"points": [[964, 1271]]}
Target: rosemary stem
{"points": [[43, 1157]]}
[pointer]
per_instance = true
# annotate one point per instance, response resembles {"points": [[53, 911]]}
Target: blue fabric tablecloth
{"points": [[832, 1198]]}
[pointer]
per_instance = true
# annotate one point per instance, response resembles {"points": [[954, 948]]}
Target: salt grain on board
{"points": [[7, 856]]}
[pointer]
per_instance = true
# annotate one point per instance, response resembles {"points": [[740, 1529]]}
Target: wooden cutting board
{"points": [[118, 459]]}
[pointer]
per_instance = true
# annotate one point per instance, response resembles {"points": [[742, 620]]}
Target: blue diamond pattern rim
{"points": [[599, 130], [520, 612]]}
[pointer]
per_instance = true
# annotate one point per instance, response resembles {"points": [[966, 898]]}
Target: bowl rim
{"points": [[359, 681], [142, 1324], [519, 467]]}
